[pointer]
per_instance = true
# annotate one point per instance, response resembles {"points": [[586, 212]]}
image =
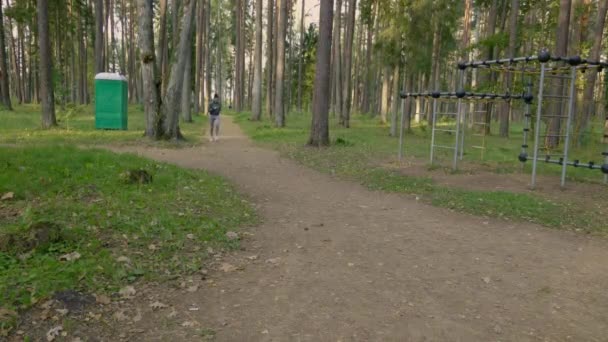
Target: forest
{"points": [[261, 57]]}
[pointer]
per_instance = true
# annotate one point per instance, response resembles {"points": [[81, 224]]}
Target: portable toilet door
{"points": [[111, 96]]}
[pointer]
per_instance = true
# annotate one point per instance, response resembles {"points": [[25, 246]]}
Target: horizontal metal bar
{"points": [[479, 147], [450, 114], [552, 135], [446, 147], [445, 130], [556, 96], [480, 123], [589, 165], [555, 116]]}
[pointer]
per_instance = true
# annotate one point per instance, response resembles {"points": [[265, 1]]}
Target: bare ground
{"points": [[334, 261]]}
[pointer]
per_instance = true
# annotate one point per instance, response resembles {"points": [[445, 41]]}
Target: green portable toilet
{"points": [[111, 97]]}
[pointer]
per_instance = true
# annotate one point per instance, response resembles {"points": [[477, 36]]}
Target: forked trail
{"points": [[337, 262]]}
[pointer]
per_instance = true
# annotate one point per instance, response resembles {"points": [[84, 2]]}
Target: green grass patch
{"points": [[361, 153], [76, 125], [68, 200]]}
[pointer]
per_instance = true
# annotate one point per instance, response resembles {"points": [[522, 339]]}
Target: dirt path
{"points": [[337, 262]]}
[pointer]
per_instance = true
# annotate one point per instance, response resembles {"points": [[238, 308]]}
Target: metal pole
{"points": [[401, 129], [456, 148], [433, 128], [464, 128], [463, 113], [569, 123], [539, 110]]}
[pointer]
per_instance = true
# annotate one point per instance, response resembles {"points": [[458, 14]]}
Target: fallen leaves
{"points": [[486, 280], [192, 288], [7, 196], [123, 259], [70, 256], [6, 314], [53, 333], [232, 236], [226, 267], [127, 292], [102, 299], [273, 261], [158, 305]]}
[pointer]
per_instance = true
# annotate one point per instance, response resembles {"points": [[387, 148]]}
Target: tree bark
{"points": [[337, 61], [561, 50], [348, 57], [151, 88], [256, 113], [270, 57], [239, 55], [301, 57], [198, 74], [171, 101], [385, 95], [208, 65], [186, 109], [395, 102], [369, 74], [279, 112], [319, 132], [161, 60], [592, 74], [503, 130], [99, 62], [46, 67], [4, 74]]}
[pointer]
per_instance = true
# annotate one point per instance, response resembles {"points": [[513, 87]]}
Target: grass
{"points": [[365, 154], [76, 125], [161, 229]]}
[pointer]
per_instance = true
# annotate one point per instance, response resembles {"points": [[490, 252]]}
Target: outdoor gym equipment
{"points": [[546, 68], [564, 71], [459, 114]]}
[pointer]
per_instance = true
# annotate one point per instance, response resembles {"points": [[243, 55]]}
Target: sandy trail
{"points": [[337, 262]]}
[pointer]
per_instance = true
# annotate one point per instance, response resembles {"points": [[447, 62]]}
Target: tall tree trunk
{"points": [[239, 54], [151, 91], [171, 101], [395, 102], [348, 57], [208, 65], [319, 132], [99, 63], [133, 74], [337, 61], [161, 60], [385, 94], [256, 113], [369, 73], [561, 49], [46, 67], [592, 74], [187, 90], [4, 74], [174, 29], [270, 57], [301, 56], [505, 112], [280, 64], [198, 73], [490, 30], [14, 59]]}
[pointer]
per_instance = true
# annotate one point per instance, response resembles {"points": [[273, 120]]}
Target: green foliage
{"points": [[160, 226]]}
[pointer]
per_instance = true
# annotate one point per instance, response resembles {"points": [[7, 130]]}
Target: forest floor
{"points": [[335, 261]]}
